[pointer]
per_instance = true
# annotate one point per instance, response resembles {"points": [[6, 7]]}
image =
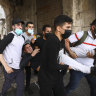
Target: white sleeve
{"points": [[74, 64], [76, 36]]}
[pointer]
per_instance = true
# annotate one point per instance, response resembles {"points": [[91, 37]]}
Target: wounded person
{"points": [[29, 57], [65, 59]]}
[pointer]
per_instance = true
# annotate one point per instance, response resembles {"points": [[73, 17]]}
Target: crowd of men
{"points": [[51, 54]]}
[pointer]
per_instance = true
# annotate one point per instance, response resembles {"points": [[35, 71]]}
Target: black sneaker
{"points": [[93, 71], [0, 94], [29, 90], [37, 84], [3, 95]]}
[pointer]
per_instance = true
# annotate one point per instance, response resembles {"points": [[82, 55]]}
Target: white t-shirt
{"points": [[88, 45]]}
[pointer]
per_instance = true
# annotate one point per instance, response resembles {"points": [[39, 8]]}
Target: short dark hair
{"points": [[26, 42], [93, 22], [61, 19], [28, 23], [44, 27]]}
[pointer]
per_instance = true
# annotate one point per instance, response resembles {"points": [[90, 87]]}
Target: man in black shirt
{"points": [[39, 43], [51, 72], [46, 30]]}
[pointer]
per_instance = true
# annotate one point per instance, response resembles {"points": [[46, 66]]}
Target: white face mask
{"points": [[31, 31]]}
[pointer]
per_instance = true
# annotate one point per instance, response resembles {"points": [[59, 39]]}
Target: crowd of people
{"points": [[50, 54]]}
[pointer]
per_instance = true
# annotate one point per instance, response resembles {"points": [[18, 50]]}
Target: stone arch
{"points": [[6, 5]]}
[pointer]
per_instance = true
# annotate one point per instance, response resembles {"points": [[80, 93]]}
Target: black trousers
{"points": [[28, 75], [92, 83], [56, 88]]}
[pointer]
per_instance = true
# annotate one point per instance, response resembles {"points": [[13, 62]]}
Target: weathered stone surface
{"points": [[84, 12]]}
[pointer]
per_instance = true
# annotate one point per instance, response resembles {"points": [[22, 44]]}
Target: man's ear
{"points": [[24, 51], [43, 33], [58, 28], [92, 27], [13, 27], [26, 28]]}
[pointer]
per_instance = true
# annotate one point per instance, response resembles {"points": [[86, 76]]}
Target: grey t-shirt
{"points": [[27, 37]]}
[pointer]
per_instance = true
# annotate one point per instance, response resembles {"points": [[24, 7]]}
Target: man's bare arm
{"points": [[70, 52]]}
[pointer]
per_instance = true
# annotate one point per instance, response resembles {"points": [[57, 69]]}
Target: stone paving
{"points": [[82, 90]]}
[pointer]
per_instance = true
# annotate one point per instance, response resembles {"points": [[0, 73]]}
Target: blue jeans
{"points": [[17, 75], [75, 77]]}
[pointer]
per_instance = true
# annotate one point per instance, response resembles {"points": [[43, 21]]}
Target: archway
{"points": [[3, 29]]}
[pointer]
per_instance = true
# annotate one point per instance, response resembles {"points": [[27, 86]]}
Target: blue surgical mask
{"points": [[31, 31], [18, 31]]}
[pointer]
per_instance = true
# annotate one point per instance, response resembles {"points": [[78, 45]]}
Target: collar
{"points": [[90, 34]]}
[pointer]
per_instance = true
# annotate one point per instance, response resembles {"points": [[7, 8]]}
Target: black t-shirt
{"points": [[40, 43], [25, 60], [50, 68]]}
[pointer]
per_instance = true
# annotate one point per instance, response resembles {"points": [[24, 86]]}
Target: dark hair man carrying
{"points": [[51, 72]]}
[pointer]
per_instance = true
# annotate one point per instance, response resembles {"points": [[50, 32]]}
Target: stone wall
{"points": [[41, 12], [27, 11], [47, 10], [84, 12], [67, 7], [24, 9]]}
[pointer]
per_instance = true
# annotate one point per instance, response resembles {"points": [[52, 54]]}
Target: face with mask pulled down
{"points": [[30, 29], [17, 28]]}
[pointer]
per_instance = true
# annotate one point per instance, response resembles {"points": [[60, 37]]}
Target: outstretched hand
{"points": [[35, 52]]}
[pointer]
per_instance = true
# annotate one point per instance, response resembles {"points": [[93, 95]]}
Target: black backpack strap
{"points": [[81, 40], [23, 37]]}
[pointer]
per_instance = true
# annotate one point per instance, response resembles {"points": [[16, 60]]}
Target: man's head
{"points": [[62, 25], [17, 26], [93, 28], [27, 48], [46, 30], [30, 28]]}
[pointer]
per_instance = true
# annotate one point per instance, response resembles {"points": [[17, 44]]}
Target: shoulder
{"points": [[10, 35], [52, 39], [80, 33], [24, 33], [76, 36], [40, 39]]}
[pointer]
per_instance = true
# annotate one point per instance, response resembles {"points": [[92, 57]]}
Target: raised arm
{"points": [[70, 52]]}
